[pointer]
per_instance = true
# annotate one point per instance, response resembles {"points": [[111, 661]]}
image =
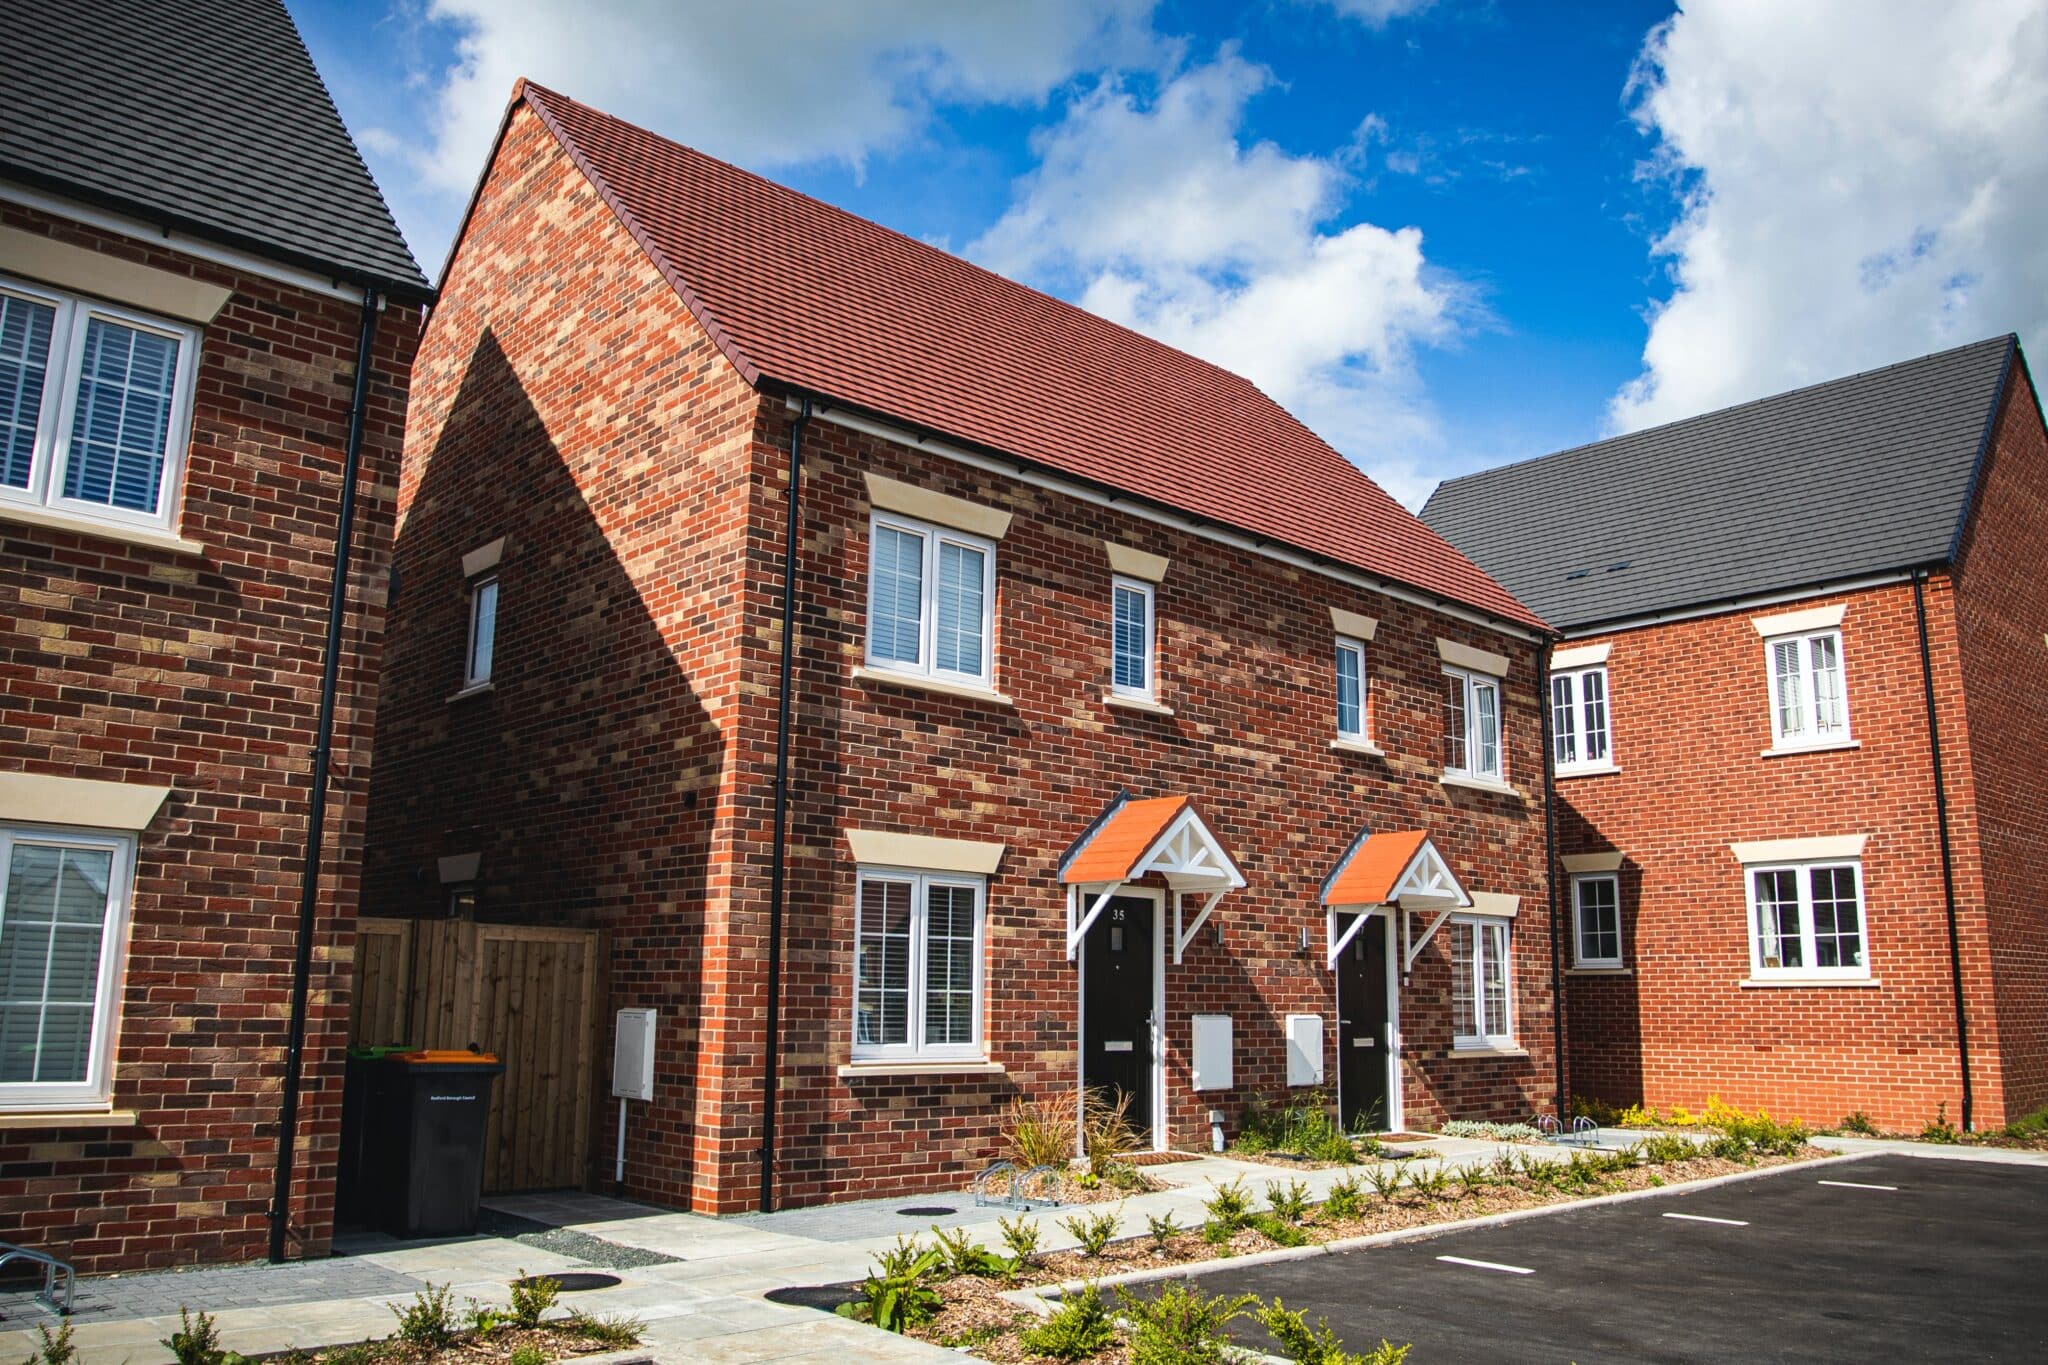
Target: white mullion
{"points": [[920, 921], [928, 602]]}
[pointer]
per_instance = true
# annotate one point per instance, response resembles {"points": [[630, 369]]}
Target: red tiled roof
{"points": [[1375, 865], [796, 291], [1125, 837]]}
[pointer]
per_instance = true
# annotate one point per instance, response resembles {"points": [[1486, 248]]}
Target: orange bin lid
{"points": [[444, 1056]]}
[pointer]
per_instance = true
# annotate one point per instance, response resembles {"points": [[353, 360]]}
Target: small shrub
{"points": [[1939, 1129], [1093, 1231], [197, 1341], [898, 1294], [532, 1297], [1039, 1132], [1182, 1325], [1105, 1123], [614, 1330], [1289, 1201], [482, 1319], [1021, 1237], [1318, 1345], [1471, 1179], [1277, 1230], [1298, 1124], [1659, 1149], [1859, 1123], [963, 1255], [1432, 1184], [1346, 1199], [54, 1348], [361, 1353], [1161, 1228], [1385, 1181], [2029, 1126], [528, 1354], [428, 1322], [1229, 1205], [1076, 1330], [1491, 1132]]}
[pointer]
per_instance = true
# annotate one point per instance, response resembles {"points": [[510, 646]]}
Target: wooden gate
{"points": [[532, 995]]}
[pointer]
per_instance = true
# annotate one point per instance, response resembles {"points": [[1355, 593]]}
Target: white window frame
{"points": [[1482, 928], [1803, 878], [1579, 882], [1574, 709], [470, 676], [926, 665], [1363, 734], [1473, 683], [916, 1049], [52, 451], [96, 1090], [1122, 583], [1810, 736]]}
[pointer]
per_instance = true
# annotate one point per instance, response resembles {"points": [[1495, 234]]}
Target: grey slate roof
{"points": [[1863, 475], [205, 115]]}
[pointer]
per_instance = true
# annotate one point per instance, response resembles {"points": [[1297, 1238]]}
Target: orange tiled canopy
{"points": [[1373, 872], [1123, 841]]}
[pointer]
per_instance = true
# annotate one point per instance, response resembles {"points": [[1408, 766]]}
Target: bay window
{"points": [[917, 966]]}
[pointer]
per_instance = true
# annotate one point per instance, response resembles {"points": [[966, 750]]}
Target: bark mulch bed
{"points": [[976, 1314], [554, 1343], [1072, 1192]]}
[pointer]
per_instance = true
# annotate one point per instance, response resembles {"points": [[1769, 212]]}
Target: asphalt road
{"points": [[1951, 1265]]}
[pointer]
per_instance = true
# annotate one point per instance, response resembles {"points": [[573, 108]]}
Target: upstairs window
{"points": [[1480, 984], [483, 631], [917, 966], [1578, 720], [1809, 706], [1351, 690], [1133, 634], [931, 600], [1471, 724], [1807, 920], [1596, 917], [95, 405]]}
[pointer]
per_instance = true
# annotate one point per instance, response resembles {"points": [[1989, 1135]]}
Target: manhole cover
{"points": [[573, 1283], [824, 1297], [928, 1211]]}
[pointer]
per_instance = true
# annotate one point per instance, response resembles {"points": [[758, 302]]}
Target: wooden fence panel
{"points": [[531, 995]]}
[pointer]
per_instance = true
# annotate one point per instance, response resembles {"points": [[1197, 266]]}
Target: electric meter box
{"points": [[633, 1055]]}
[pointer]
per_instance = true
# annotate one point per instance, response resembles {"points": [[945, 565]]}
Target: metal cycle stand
{"points": [[47, 1295]]}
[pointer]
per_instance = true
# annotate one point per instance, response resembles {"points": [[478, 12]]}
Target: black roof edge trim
{"points": [[1337, 868], [1791, 592], [1998, 395], [405, 291]]}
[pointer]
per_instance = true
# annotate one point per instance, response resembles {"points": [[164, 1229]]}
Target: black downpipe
{"points": [[1948, 873], [779, 856], [316, 809], [1550, 880]]}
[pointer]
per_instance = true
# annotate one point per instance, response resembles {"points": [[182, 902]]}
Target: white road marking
{"points": [[1488, 1265], [1702, 1218], [1854, 1185]]}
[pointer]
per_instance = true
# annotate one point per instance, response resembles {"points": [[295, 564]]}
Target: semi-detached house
{"points": [[1797, 738], [1134, 739]]}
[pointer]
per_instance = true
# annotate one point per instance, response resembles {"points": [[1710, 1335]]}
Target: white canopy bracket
{"points": [[1339, 942], [1413, 950], [1078, 931], [1183, 937]]}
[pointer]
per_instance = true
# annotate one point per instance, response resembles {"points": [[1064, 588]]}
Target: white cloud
{"points": [[1379, 13], [1157, 214], [1865, 181], [764, 83]]}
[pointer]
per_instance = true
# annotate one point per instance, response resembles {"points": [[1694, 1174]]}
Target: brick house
{"points": [[1796, 735], [1110, 683], [191, 255]]}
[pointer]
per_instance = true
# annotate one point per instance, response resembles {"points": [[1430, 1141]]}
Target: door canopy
{"points": [[1401, 868], [1163, 836]]}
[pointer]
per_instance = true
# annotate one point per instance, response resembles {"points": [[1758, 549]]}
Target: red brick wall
{"points": [[2003, 623], [564, 401], [1690, 715], [202, 673]]}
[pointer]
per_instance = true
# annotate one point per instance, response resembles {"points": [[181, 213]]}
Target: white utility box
{"points": [[633, 1055], [1212, 1052], [1304, 1049]]}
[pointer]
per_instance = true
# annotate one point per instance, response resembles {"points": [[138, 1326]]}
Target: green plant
{"points": [[1299, 1124], [1181, 1325], [1093, 1230], [197, 1342], [54, 1348], [1385, 1181], [1491, 1132], [1318, 1345], [1227, 1208], [1040, 1132], [2029, 1126], [428, 1322], [1161, 1228], [616, 1330], [1105, 1124], [532, 1297], [528, 1354], [1346, 1198], [1289, 1201], [1939, 1129], [1661, 1148], [482, 1319], [1021, 1236], [1431, 1184], [897, 1294], [1277, 1230], [361, 1353], [1859, 1123], [1077, 1329], [965, 1256], [1471, 1179]]}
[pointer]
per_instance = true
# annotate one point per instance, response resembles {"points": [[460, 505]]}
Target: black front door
{"points": [[1363, 1032], [1116, 1032]]}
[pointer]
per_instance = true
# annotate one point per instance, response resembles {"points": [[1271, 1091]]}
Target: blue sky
{"points": [[1447, 233]]}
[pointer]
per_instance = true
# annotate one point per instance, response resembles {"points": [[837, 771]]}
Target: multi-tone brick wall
{"points": [[2002, 621], [1689, 702], [201, 672], [619, 771]]}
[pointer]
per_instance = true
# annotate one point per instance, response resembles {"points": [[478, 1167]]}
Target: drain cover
{"points": [[928, 1211], [821, 1296], [574, 1282]]}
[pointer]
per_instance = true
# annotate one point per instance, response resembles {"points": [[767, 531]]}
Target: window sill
{"points": [[1480, 784], [1784, 751], [75, 1118], [102, 530], [1357, 746], [1149, 707], [1779, 982], [476, 690], [1486, 1050], [1586, 770], [1599, 971], [859, 1071], [883, 677]]}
